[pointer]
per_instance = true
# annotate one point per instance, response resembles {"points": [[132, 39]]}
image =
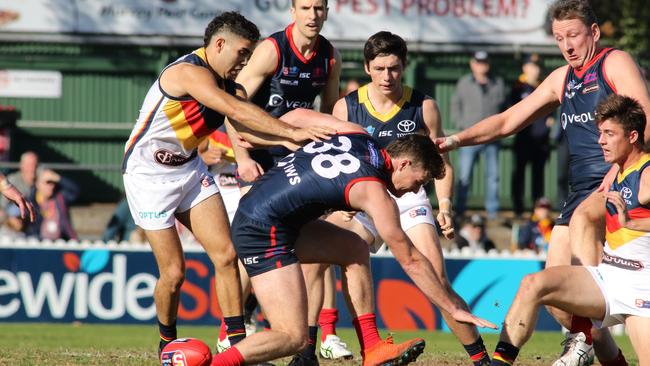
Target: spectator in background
{"points": [[536, 233], [473, 234], [478, 95], [52, 195], [531, 144]]}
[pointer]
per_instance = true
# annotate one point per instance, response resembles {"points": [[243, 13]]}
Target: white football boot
{"points": [[576, 351], [334, 348]]}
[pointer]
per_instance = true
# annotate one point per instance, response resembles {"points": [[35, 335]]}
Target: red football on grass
{"points": [[186, 352]]}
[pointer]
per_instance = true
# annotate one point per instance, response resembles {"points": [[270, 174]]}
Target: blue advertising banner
{"points": [[98, 285]]}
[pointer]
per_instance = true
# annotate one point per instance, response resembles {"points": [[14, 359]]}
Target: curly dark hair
{"points": [[422, 150], [573, 9], [233, 22]]}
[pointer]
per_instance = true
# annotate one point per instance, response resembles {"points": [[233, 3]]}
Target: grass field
{"points": [[86, 344]]}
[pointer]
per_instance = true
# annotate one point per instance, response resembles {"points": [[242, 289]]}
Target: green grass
{"points": [[90, 344]]}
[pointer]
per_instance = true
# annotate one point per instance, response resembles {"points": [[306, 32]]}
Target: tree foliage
{"points": [[626, 24]]}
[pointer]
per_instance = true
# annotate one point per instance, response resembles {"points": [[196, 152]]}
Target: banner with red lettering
{"points": [[426, 21]]}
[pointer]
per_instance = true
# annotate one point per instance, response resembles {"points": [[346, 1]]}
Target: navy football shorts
{"points": [[573, 200], [262, 247]]}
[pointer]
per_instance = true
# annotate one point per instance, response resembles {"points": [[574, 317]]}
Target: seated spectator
{"points": [[121, 226], [536, 233], [52, 196], [473, 234]]}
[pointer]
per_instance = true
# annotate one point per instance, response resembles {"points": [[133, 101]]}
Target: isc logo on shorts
{"points": [[251, 260]]}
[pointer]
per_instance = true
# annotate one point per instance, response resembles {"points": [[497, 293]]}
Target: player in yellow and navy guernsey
{"points": [[617, 291], [276, 227], [388, 110], [591, 74], [165, 180]]}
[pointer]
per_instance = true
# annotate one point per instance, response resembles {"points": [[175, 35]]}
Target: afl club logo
{"points": [[166, 157], [571, 88], [406, 126], [275, 100]]}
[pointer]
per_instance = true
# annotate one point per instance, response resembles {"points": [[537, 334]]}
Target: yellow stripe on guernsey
{"points": [[622, 237], [384, 117], [181, 123], [636, 166]]}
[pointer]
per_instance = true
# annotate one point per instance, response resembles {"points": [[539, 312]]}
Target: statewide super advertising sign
{"points": [[116, 286], [439, 21]]}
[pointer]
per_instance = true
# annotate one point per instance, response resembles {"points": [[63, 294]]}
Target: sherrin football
{"points": [[186, 352]]}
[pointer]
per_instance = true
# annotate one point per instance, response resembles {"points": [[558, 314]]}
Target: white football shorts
{"points": [[153, 201], [414, 209], [626, 292]]}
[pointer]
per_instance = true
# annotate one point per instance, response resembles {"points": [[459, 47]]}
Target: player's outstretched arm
{"points": [[371, 197], [200, 84], [540, 103]]}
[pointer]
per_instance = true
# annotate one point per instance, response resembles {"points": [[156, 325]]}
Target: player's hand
{"points": [[213, 155], [448, 143], [249, 170], [616, 199], [26, 209], [313, 133], [446, 223], [347, 215], [463, 316]]}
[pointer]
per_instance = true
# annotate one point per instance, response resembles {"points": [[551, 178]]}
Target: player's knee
{"points": [[225, 259], [531, 287], [297, 341], [172, 278]]}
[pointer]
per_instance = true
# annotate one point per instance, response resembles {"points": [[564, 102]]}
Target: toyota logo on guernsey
{"points": [[406, 126]]}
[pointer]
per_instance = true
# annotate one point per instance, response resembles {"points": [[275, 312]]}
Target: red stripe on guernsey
{"points": [[611, 221], [277, 50], [348, 187], [389, 163], [194, 118], [580, 73], [295, 49], [602, 67], [221, 138]]}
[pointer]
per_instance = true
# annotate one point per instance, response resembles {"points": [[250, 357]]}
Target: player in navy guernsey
{"points": [[287, 71], [591, 73], [276, 226]]}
